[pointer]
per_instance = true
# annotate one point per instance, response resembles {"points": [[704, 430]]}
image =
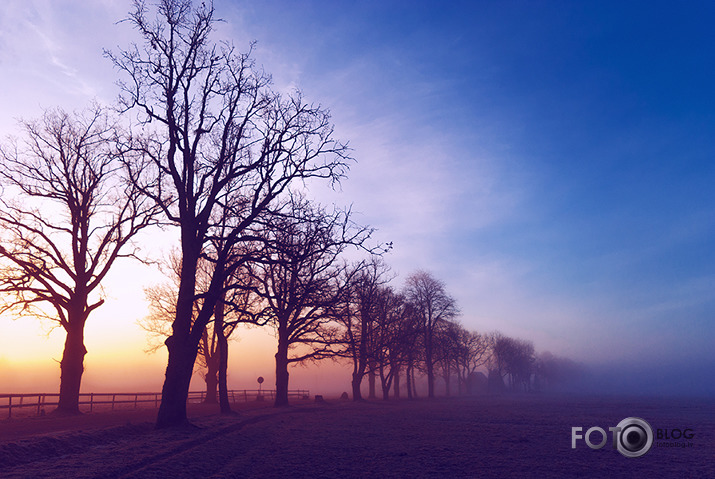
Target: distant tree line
{"points": [[200, 143]]}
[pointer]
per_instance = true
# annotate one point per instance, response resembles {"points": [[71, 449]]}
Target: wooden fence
{"points": [[40, 401]]}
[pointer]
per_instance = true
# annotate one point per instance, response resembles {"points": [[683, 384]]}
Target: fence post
{"points": [[91, 402], [114, 396], [136, 396], [9, 407]]}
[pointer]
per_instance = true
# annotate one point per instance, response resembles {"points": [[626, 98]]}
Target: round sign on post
{"points": [[260, 383]]}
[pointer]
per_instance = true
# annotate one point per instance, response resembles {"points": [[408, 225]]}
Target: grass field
{"points": [[486, 436]]}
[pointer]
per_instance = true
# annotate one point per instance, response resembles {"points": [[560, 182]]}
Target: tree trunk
{"points": [[447, 378], [430, 366], [356, 383], [181, 347], [385, 385], [175, 392], [282, 369], [211, 379], [223, 357], [430, 380], [371, 385], [408, 380], [396, 388], [71, 367], [414, 384]]}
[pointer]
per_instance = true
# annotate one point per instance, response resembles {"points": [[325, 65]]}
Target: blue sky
{"points": [[552, 162]]}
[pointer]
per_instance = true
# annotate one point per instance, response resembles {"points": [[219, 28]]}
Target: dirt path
{"points": [[474, 437]]}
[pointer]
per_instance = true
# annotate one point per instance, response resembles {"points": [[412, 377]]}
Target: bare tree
{"points": [[221, 148], [299, 278], [472, 352], [67, 215], [389, 347], [412, 340], [431, 305], [513, 358], [447, 345], [356, 313]]}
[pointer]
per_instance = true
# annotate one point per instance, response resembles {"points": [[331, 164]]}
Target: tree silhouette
{"points": [[162, 311], [413, 340], [356, 313], [513, 358], [473, 351], [221, 148], [299, 276], [447, 345], [390, 347], [431, 306], [67, 215]]}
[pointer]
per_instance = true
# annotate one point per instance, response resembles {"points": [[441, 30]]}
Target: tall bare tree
{"points": [[389, 347], [413, 339], [447, 345], [300, 280], [431, 305], [356, 313], [66, 216], [221, 148]]}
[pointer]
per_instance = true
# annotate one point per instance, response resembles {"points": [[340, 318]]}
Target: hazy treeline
{"points": [[200, 143]]}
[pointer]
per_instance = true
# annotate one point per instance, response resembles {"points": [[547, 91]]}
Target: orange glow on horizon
{"points": [[116, 361]]}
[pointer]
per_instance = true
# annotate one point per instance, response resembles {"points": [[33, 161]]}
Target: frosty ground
{"points": [[483, 436]]}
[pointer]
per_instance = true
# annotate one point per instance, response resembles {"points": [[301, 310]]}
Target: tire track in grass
{"points": [[211, 434]]}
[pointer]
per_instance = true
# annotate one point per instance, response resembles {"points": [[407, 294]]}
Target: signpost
{"points": [[260, 385]]}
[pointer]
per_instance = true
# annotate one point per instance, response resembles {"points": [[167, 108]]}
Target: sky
{"points": [[551, 162]]}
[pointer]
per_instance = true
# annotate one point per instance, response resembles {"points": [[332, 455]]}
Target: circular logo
{"points": [[634, 438]]}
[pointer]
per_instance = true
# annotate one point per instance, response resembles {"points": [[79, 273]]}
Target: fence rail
{"points": [[41, 400]]}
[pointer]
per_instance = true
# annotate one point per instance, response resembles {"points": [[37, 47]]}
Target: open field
{"points": [[520, 436]]}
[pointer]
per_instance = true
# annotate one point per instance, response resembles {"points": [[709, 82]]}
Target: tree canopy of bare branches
{"points": [[298, 276], [356, 314], [66, 215], [513, 358], [431, 305]]}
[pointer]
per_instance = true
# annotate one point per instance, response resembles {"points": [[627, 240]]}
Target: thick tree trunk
{"points": [[282, 370], [371, 385], [356, 383], [71, 367], [211, 379], [175, 392], [182, 348]]}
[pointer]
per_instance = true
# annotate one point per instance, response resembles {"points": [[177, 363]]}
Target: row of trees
{"points": [[201, 143]]}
